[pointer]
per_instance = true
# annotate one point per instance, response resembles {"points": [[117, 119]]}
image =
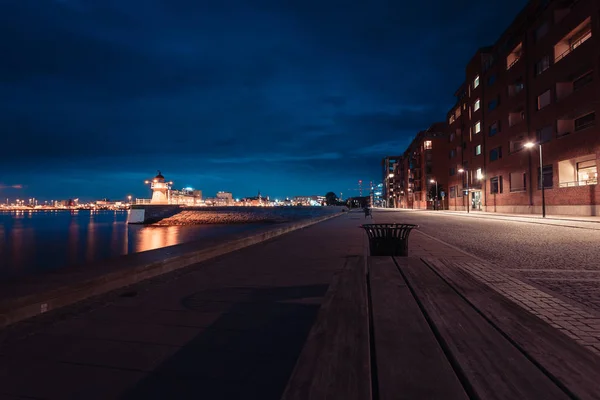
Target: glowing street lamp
{"points": [[530, 145], [466, 171], [436, 193]]}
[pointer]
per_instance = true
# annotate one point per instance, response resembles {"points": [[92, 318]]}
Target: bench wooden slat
{"points": [[569, 362], [494, 367], [410, 361], [335, 360]]}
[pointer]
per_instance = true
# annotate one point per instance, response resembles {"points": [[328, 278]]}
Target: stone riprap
{"points": [[245, 215]]}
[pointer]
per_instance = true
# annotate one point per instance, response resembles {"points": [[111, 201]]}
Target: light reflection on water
{"points": [[37, 241]]}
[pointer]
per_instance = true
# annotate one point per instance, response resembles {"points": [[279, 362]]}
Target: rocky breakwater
{"points": [[197, 217]]}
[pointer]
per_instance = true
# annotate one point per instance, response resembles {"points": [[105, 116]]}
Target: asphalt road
{"points": [[565, 259]]}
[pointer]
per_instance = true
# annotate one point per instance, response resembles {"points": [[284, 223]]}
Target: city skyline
{"points": [[286, 99]]}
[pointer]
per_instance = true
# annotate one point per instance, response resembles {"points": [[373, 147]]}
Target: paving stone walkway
{"points": [[574, 320]]}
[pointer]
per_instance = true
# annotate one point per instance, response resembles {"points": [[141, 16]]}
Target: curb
{"points": [[20, 308]]}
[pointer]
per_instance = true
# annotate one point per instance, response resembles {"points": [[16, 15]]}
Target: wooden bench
{"points": [[335, 360], [406, 329]]}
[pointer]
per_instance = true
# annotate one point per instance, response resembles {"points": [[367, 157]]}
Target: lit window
{"points": [[476, 82], [477, 127], [478, 150], [427, 145], [587, 172], [479, 174], [476, 105]]}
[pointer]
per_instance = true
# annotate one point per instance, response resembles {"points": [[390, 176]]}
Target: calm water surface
{"points": [[35, 241]]}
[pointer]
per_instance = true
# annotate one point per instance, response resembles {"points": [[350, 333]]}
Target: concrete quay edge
{"points": [[13, 310]]}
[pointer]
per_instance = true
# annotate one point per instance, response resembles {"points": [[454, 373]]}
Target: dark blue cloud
{"points": [[291, 97]]}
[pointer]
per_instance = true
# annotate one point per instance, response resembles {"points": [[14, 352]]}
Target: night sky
{"points": [[289, 97]]}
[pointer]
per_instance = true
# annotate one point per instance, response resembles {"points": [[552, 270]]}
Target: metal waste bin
{"points": [[388, 239]]}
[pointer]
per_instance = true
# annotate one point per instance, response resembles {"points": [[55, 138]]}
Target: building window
{"points": [[541, 31], [495, 153], [427, 145], [491, 79], [583, 80], [458, 112], [585, 121], [516, 88], [587, 172], [545, 134], [477, 127], [479, 174], [544, 99], [452, 192], [478, 150], [451, 119], [494, 128], [542, 65], [476, 82], [452, 171], [476, 105], [516, 145], [518, 181], [452, 136], [547, 173], [496, 184], [452, 153], [493, 104], [578, 171]]}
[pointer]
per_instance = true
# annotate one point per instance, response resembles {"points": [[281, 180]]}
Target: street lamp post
{"points": [[530, 145], [466, 171], [436, 193]]}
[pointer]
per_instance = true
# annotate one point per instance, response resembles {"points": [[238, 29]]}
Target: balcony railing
{"points": [[574, 45], [509, 66], [579, 183]]}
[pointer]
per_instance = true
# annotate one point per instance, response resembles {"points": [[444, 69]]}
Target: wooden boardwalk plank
{"points": [[410, 361], [494, 367], [570, 363], [335, 361]]}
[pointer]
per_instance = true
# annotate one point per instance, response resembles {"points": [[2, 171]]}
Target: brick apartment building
{"points": [[420, 166], [538, 83]]}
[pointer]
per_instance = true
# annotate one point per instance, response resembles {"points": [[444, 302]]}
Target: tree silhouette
{"points": [[331, 199]]}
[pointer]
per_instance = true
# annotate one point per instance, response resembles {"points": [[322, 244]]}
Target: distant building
{"points": [[424, 163], [390, 180], [162, 193], [314, 200]]}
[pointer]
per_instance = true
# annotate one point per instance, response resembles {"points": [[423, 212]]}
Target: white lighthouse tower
{"points": [[161, 190]]}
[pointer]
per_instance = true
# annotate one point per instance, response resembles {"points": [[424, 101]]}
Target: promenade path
{"points": [[228, 328]]}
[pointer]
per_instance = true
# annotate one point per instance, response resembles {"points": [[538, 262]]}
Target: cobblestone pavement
{"points": [[567, 297]]}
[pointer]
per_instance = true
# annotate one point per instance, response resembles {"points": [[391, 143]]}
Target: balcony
{"points": [[514, 56], [516, 117], [573, 40], [579, 183], [580, 171]]}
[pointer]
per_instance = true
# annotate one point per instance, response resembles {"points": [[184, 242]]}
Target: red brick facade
{"points": [[540, 81], [420, 166], [539, 84]]}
